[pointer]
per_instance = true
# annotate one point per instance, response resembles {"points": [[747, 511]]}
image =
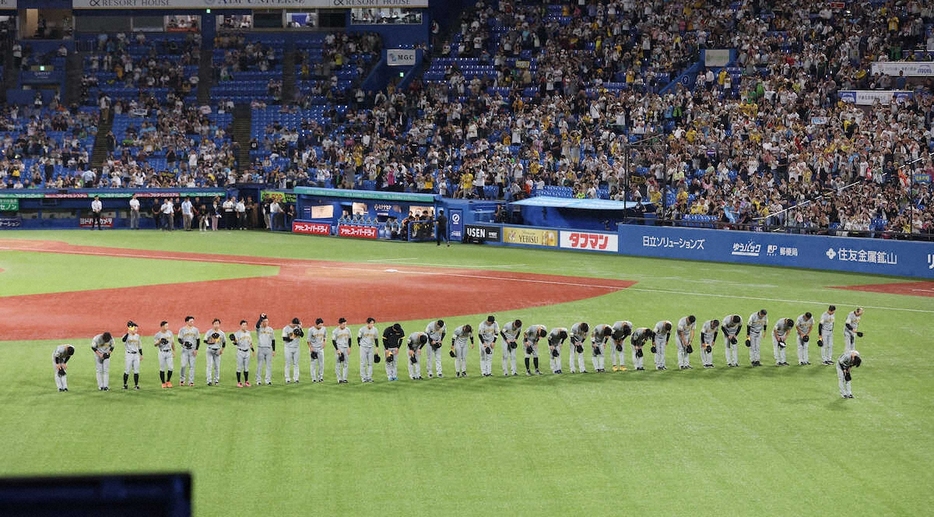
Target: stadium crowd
{"points": [[523, 96]]}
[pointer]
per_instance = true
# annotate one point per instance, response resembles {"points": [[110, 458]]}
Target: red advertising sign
{"points": [[311, 228], [88, 222], [590, 241], [360, 232]]}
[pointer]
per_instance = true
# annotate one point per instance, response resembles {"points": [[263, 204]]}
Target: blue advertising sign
{"points": [[456, 225], [860, 255]]}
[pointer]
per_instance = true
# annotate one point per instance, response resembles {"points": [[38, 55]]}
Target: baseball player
{"points": [[216, 342], [243, 340], [317, 337], [459, 348], [803, 326], [849, 360], [436, 331], [825, 335], [60, 358], [488, 331], [415, 343], [189, 337], [102, 345], [164, 342], [132, 343], [708, 337], [392, 340], [579, 333], [532, 335], [556, 338], [367, 341], [510, 334], [265, 349], [730, 328], [685, 332], [755, 326], [662, 333], [779, 335], [640, 337], [851, 329], [598, 340], [621, 330], [292, 335], [340, 338]]}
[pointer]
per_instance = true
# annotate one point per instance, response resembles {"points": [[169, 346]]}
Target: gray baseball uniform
{"points": [[708, 336], [59, 358], [244, 344], [825, 329], [554, 347], [661, 341], [510, 334], [578, 339], [291, 345], [317, 337], [414, 344], [341, 340], [598, 342], [367, 341], [779, 338], [532, 335], [730, 332], [845, 363], [618, 350], [435, 337], [755, 326], [190, 338], [265, 347], [488, 332], [850, 328], [102, 365], [685, 337], [133, 347], [803, 327], [215, 348], [166, 350], [640, 337], [459, 343]]}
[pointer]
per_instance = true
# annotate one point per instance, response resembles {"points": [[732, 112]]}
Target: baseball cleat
{"points": [[163, 385], [615, 369], [239, 384], [126, 387], [622, 368], [136, 387], [247, 384]]}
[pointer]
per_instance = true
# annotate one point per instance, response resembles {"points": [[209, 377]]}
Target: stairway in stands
{"points": [[74, 72], [99, 153], [288, 76], [205, 76], [242, 119]]}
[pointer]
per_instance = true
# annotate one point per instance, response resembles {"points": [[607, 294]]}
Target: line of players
{"points": [[601, 337]]}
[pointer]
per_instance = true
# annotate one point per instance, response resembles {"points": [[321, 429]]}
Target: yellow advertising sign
{"points": [[530, 237]]}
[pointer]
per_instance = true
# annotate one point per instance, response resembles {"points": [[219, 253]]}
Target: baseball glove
{"points": [[105, 356], [619, 348], [708, 349], [163, 341], [487, 350], [61, 372], [390, 358], [805, 338], [748, 343], [654, 349], [689, 349], [733, 340], [436, 345], [453, 354], [413, 359], [341, 358], [596, 351], [376, 358], [314, 355], [781, 343], [579, 349], [638, 352], [859, 334], [513, 345], [555, 353], [232, 337], [529, 350], [847, 377], [820, 342], [215, 336]]}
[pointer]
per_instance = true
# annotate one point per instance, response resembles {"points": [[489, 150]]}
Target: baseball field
{"points": [[723, 441]]}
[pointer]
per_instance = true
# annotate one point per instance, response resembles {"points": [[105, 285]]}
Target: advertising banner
{"points": [[456, 225], [589, 241], [530, 236], [860, 255], [88, 222], [909, 68], [870, 97], [481, 233], [359, 232], [311, 228], [7, 223], [400, 57], [9, 204]]}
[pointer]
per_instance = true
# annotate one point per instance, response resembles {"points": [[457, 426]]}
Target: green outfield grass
{"points": [[743, 441]]}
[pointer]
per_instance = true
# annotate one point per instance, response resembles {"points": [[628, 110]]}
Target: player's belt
{"points": [[134, 353], [187, 344], [244, 349]]}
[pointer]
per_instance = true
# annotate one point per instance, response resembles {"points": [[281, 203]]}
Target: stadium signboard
{"points": [[309, 228], [9, 204], [589, 241], [906, 68], [236, 4], [360, 232]]}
